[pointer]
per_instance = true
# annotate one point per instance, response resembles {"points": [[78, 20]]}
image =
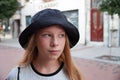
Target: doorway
{"points": [[96, 25]]}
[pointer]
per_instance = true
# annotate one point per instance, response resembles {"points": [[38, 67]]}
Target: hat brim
{"points": [[71, 31]]}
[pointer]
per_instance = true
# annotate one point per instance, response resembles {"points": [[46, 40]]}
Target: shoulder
{"points": [[12, 75]]}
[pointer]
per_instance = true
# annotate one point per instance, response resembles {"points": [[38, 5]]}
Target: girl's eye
{"points": [[61, 35], [46, 35]]}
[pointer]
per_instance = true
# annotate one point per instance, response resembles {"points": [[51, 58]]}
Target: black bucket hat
{"points": [[45, 18]]}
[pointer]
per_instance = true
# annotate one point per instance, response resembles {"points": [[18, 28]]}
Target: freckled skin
{"points": [[50, 42]]}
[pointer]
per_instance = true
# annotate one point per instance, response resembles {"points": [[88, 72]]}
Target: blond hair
{"points": [[31, 54]]}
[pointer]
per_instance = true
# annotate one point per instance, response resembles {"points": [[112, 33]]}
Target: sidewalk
{"points": [[10, 42], [97, 53]]}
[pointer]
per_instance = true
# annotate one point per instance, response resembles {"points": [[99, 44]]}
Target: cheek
{"points": [[41, 43], [62, 43], [42, 46]]}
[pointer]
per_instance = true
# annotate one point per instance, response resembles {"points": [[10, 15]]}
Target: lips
{"points": [[54, 52]]}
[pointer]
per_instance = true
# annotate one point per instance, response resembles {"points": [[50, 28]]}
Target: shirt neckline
{"points": [[48, 75]]}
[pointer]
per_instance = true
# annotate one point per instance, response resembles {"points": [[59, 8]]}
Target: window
{"points": [[28, 20], [72, 16], [96, 3]]}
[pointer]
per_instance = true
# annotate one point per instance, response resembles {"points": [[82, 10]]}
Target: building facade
{"points": [[93, 25], [100, 28]]}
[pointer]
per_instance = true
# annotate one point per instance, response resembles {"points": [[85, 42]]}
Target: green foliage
{"points": [[8, 8], [110, 6]]}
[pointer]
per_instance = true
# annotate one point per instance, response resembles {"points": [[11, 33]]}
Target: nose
{"points": [[54, 42]]}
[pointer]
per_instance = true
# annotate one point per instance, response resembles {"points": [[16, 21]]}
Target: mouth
{"points": [[54, 52]]}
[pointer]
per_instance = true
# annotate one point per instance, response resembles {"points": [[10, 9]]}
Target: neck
{"points": [[46, 67]]}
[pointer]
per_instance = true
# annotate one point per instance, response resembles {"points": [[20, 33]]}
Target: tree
{"points": [[117, 7], [109, 6], [7, 9], [112, 7]]}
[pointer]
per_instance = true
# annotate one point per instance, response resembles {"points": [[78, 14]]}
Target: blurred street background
{"points": [[97, 53]]}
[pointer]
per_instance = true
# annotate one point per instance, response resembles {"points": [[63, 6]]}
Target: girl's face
{"points": [[50, 42]]}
